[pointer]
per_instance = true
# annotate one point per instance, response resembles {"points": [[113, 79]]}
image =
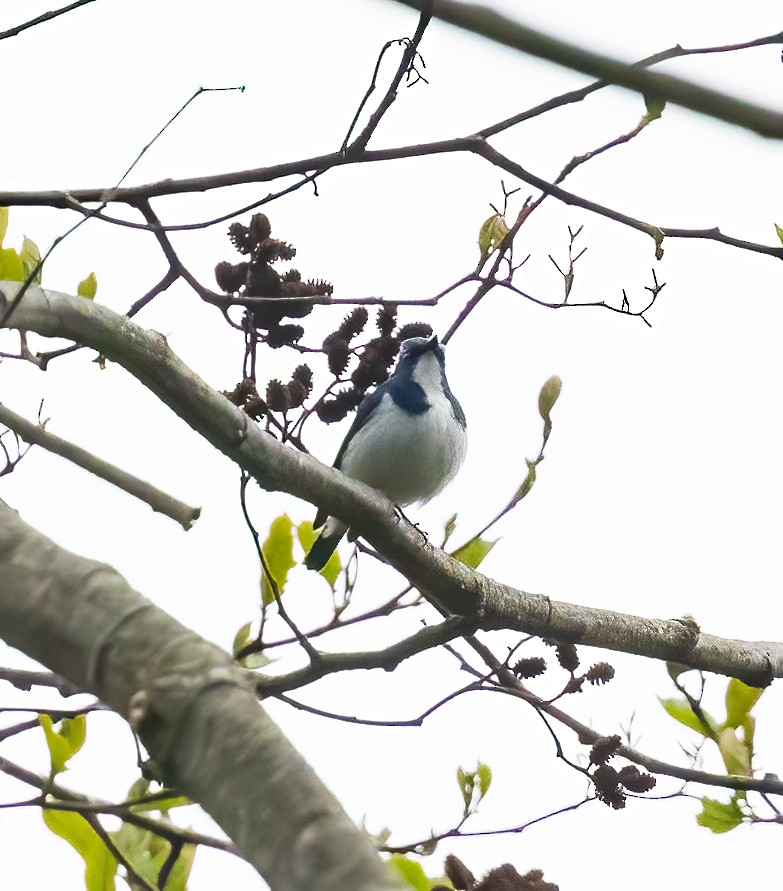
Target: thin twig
{"points": [[44, 17], [149, 494]]}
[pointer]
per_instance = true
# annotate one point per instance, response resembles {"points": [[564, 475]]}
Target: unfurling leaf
{"points": [[241, 639], [777, 229], [251, 660], [484, 774], [448, 529], [735, 752], [30, 257], [493, 230], [548, 396], [654, 106], [65, 742], [147, 853], [675, 669], [528, 482], [3, 223], [474, 785], [88, 287], [466, 782]]}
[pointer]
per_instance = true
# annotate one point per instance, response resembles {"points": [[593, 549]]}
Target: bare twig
{"points": [[406, 65], [73, 801], [159, 501], [572, 96], [500, 29], [44, 17]]}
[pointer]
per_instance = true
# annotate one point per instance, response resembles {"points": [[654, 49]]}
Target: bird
{"points": [[408, 439]]}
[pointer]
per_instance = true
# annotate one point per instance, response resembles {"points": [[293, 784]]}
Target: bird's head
{"points": [[413, 348]]}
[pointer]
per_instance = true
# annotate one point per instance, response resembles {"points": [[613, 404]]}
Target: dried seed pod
{"points": [[283, 335], [277, 396], [530, 668], [304, 375], [414, 329], [386, 321], [231, 276], [353, 324], [296, 394], [604, 748], [600, 673]]}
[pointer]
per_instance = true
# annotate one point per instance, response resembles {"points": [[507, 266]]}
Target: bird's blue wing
{"points": [[366, 408]]}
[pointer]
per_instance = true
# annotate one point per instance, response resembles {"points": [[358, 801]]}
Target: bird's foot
{"points": [[401, 514]]}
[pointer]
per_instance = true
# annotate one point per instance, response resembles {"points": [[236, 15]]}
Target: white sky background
{"points": [[661, 488]]}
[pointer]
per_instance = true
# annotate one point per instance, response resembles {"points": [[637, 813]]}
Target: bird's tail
{"points": [[325, 544]]}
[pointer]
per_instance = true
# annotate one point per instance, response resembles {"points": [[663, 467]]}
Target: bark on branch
{"points": [[448, 583], [193, 708]]}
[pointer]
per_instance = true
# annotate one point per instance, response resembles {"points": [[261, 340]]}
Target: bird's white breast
{"points": [[409, 457]]}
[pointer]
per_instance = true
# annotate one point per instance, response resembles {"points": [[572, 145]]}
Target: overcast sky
{"points": [[660, 492]]}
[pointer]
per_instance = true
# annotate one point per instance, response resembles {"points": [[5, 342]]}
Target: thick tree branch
{"points": [[675, 52], [389, 658], [137, 195], [448, 583], [508, 32], [157, 500], [193, 708]]}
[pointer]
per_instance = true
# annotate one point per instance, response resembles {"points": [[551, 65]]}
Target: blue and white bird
{"points": [[408, 438]]}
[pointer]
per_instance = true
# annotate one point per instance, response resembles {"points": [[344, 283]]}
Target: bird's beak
{"points": [[432, 342]]}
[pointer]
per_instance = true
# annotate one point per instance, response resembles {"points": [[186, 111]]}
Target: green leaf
{"points": [[484, 775], [734, 751], [675, 669], [241, 639], [278, 551], [59, 748], [306, 535], [64, 743], [31, 257], [74, 730], [718, 816], [493, 230], [334, 566], [88, 287], [466, 782], [11, 268], [411, 871], [654, 106], [680, 710], [3, 223], [474, 551], [740, 699], [777, 229], [163, 803], [147, 852], [548, 396], [100, 865], [251, 660]]}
